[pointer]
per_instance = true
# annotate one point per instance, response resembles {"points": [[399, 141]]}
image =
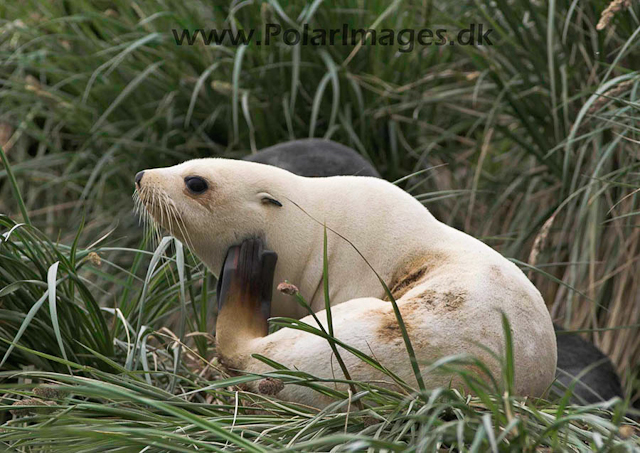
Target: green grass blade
{"points": [[14, 187], [52, 285]]}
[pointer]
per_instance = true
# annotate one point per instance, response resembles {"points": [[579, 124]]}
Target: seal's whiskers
{"points": [[149, 202]]}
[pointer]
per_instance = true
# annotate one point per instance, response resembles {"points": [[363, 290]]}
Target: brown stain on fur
{"points": [[453, 300], [389, 329], [410, 310], [413, 273]]}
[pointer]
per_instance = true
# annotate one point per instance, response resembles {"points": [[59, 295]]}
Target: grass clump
{"points": [[96, 403]]}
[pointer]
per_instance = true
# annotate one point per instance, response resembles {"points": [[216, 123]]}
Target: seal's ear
{"points": [[268, 198]]}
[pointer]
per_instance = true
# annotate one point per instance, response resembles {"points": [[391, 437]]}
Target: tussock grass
{"points": [[95, 401], [532, 145]]}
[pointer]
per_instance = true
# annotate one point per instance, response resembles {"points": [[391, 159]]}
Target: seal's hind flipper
{"points": [[246, 277]]}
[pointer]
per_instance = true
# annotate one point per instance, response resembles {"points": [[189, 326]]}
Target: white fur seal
{"points": [[449, 286], [579, 360]]}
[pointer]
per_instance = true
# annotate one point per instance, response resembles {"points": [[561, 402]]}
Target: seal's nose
{"points": [[139, 176]]}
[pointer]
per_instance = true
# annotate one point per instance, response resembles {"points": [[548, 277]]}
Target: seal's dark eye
{"points": [[196, 184]]}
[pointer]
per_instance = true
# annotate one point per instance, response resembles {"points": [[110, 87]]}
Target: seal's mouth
{"points": [[157, 210]]}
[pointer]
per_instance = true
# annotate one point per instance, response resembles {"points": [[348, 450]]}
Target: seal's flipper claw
{"points": [[247, 273], [227, 273], [269, 259]]}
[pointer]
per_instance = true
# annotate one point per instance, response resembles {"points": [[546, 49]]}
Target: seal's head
{"points": [[211, 204]]}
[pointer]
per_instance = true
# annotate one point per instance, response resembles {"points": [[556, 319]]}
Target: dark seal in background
{"points": [[315, 157]]}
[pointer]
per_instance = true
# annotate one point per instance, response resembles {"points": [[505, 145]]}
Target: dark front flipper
{"points": [[246, 279]]}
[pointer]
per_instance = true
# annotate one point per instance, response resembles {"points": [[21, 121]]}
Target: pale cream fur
{"points": [[450, 309]]}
